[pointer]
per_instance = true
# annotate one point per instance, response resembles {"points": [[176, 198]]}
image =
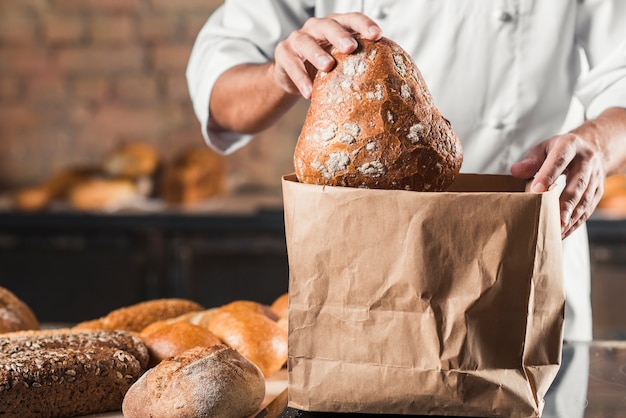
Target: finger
{"points": [[558, 158], [586, 205], [290, 71], [359, 23], [530, 164]]}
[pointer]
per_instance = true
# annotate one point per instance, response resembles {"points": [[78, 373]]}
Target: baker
{"points": [[536, 89]]}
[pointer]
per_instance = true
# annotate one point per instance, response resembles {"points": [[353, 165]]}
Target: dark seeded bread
{"points": [[68, 374]]}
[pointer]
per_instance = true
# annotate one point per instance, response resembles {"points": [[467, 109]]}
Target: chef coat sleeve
{"points": [[601, 32], [238, 32]]}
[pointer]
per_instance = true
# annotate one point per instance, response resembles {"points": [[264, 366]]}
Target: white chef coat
{"points": [[504, 73]]}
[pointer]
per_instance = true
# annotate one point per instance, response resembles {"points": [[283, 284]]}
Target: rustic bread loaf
{"points": [[67, 374], [173, 339], [15, 315], [202, 382], [257, 337], [372, 123], [102, 194], [131, 160], [138, 316], [248, 305]]}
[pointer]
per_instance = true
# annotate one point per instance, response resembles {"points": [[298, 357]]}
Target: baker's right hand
{"points": [[305, 51]]}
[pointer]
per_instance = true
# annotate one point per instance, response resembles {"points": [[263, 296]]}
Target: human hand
{"points": [[304, 51], [584, 169]]}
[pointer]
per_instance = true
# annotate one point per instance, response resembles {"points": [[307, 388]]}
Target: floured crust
{"points": [[201, 382], [372, 123]]}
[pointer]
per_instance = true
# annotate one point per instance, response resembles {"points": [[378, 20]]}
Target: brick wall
{"points": [[78, 77]]}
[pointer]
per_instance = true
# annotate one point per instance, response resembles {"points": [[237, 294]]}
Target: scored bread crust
{"points": [[212, 381], [372, 123], [69, 373]]}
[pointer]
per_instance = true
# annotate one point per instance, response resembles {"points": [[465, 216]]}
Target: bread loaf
{"points": [[138, 316], [280, 306], [67, 374], [251, 306], [102, 194], [173, 339], [257, 337], [15, 315], [372, 123], [202, 382], [131, 160]]}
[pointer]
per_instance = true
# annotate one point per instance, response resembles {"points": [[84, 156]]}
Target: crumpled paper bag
{"points": [[441, 303]]}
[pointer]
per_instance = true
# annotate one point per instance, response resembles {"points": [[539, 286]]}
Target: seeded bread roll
{"points": [[138, 316], [15, 315], [67, 374], [372, 123], [202, 382]]}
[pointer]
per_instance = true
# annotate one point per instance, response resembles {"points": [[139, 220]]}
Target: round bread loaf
{"points": [[15, 315], [202, 382], [257, 337], [372, 123], [280, 306], [248, 305], [132, 160], [173, 339]]}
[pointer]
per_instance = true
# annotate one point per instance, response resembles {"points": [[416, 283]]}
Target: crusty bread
{"points": [[200, 318], [197, 173], [138, 316], [69, 373], [248, 305], [15, 315], [102, 194], [372, 123], [257, 337], [173, 339], [131, 160], [280, 306], [202, 382]]}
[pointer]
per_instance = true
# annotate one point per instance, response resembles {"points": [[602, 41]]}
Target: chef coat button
{"points": [[503, 16], [496, 124], [381, 12]]}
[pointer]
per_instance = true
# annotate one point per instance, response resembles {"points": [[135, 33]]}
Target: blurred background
{"points": [[109, 195]]}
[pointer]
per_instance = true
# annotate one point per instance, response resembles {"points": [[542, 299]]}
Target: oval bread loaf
{"points": [[201, 382], [15, 315], [372, 123]]}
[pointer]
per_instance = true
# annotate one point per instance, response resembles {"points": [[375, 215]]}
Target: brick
{"points": [[159, 28], [36, 6], [92, 88], [16, 116], [47, 89], [176, 87], [63, 29], [17, 29], [97, 6], [137, 88], [16, 60], [118, 29], [185, 6], [138, 121], [11, 89], [171, 57], [192, 26], [107, 60]]}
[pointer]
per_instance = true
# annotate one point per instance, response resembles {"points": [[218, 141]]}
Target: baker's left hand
{"points": [[584, 169]]}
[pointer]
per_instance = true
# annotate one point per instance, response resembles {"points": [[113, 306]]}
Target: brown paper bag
{"points": [[403, 302]]}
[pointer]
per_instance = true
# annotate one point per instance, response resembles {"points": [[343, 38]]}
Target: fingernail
{"points": [[565, 217], [323, 61], [374, 31], [306, 91], [347, 43], [537, 187]]}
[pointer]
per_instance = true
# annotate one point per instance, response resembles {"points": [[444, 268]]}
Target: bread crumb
{"points": [[399, 65], [405, 92], [376, 95], [337, 161], [354, 66], [414, 133], [372, 169]]}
